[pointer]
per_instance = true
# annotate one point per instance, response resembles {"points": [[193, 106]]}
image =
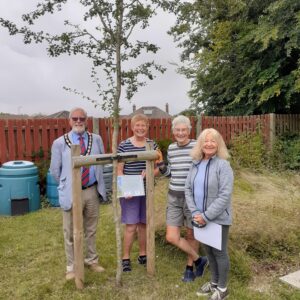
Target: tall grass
{"points": [[264, 244]]}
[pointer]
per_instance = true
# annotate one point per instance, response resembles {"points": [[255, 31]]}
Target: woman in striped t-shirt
{"points": [[133, 209], [178, 213]]}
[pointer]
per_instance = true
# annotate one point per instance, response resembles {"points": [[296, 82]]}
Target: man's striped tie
{"points": [[85, 175]]}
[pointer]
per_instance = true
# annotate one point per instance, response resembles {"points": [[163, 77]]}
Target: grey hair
{"points": [[75, 109], [181, 119]]}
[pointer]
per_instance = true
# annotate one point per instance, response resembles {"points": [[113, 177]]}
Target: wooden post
{"points": [[199, 125], [100, 159], [272, 132], [77, 220], [150, 214], [96, 126]]}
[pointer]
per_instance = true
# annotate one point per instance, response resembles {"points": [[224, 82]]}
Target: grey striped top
{"points": [[179, 162]]}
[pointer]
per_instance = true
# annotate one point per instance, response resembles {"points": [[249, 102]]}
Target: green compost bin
{"points": [[19, 188]]}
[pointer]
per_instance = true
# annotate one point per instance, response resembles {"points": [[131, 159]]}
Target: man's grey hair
{"points": [[181, 119], [75, 109]]}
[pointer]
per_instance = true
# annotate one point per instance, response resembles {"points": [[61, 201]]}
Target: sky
{"points": [[31, 82]]}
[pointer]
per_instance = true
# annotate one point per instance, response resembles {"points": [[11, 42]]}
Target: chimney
{"points": [[133, 108], [167, 108]]}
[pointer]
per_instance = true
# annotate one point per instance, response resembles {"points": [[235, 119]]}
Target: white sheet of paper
{"points": [[130, 186], [210, 235]]}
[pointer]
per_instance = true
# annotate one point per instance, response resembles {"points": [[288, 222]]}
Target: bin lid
{"points": [[18, 164], [18, 167]]}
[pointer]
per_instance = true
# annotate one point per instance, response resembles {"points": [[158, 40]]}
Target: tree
{"points": [[243, 56], [110, 47]]}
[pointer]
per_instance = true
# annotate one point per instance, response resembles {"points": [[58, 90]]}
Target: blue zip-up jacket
{"points": [[218, 185]]}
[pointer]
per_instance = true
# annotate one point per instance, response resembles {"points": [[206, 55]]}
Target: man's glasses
{"points": [[77, 119]]}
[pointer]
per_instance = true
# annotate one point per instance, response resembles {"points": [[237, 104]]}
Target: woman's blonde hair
{"points": [[139, 117], [222, 151]]}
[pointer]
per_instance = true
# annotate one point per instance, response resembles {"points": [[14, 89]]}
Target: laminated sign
{"points": [[130, 186]]}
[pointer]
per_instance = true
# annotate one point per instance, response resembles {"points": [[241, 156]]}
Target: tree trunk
{"points": [[118, 37]]}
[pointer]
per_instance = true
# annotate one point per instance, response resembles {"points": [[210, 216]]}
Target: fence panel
{"points": [[157, 123], [45, 137], [3, 143], [287, 124], [104, 134], [21, 139], [28, 139], [11, 140], [193, 133], [52, 131]]}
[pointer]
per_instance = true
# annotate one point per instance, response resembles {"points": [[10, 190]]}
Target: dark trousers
{"points": [[219, 260]]}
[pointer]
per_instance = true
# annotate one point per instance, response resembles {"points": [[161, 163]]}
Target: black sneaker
{"points": [[126, 264], [142, 259], [200, 268], [219, 295], [188, 276], [206, 289]]}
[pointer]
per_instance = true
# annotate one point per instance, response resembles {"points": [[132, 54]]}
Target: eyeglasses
{"points": [[78, 119]]}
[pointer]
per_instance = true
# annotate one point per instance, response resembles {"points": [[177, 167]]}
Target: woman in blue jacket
{"points": [[208, 192]]}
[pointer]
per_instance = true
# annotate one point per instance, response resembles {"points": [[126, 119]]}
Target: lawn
{"points": [[264, 245]]}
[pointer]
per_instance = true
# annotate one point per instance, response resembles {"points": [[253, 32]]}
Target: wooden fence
{"points": [[24, 139]]}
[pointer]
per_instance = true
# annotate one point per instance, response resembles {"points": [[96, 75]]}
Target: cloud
{"points": [[32, 82]]}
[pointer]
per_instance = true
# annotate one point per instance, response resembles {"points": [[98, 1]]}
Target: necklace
{"points": [[89, 146]]}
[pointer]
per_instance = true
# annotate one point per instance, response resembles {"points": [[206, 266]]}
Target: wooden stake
{"points": [[272, 132], [77, 220], [150, 214], [101, 159], [79, 161]]}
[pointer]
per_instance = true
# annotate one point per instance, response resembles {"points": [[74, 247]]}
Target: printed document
{"points": [[210, 235], [130, 186]]}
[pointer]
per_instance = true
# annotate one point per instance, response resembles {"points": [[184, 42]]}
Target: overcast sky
{"points": [[31, 82]]}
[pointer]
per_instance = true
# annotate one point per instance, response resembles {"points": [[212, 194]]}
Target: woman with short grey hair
{"points": [[178, 214], [181, 119]]}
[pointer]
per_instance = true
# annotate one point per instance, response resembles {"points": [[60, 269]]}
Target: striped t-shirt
{"points": [[134, 167], [179, 162]]}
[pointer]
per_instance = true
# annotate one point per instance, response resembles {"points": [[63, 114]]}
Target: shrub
{"points": [[163, 146], [286, 152], [248, 150], [42, 164]]}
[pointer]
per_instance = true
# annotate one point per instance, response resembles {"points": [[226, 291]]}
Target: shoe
{"points": [[126, 264], [206, 289], [200, 268], [70, 275], [96, 268], [142, 259], [219, 295], [188, 276]]}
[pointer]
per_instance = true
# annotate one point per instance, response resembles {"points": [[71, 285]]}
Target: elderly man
{"points": [[93, 187], [178, 214]]}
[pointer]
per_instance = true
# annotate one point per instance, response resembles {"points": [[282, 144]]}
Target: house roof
{"points": [[152, 112], [64, 114]]}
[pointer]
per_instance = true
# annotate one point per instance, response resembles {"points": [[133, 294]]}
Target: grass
{"points": [[264, 245]]}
